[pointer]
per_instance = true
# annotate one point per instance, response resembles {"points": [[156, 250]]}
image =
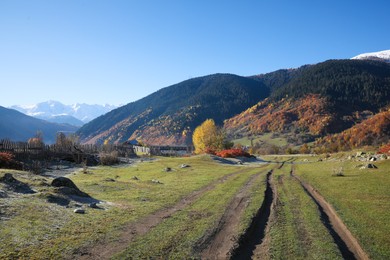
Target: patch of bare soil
{"points": [[255, 235], [222, 240], [346, 242], [106, 249]]}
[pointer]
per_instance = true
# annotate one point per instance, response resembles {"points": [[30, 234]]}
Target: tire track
{"points": [[104, 249], [222, 239], [345, 241], [257, 230]]}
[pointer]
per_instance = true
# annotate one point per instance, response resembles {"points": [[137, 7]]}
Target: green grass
{"points": [[297, 231], [36, 228], [177, 236], [266, 138], [361, 199]]}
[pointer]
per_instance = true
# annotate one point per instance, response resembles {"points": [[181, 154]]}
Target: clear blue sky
{"points": [[95, 51]]}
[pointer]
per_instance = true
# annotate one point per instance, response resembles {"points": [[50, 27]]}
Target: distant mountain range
{"points": [[304, 104], [54, 111], [17, 126]]}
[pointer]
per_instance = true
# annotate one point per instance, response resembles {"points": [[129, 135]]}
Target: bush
{"points": [[109, 158], [233, 153], [7, 161], [385, 149]]}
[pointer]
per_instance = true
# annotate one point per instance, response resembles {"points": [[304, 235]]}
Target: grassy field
{"points": [[196, 199], [267, 138], [296, 229], [32, 227], [361, 198], [183, 230]]}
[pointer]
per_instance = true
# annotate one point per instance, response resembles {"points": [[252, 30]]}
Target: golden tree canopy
{"points": [[208, 136]]}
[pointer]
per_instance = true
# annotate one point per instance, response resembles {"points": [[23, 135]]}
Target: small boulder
{"points": [[135, 178], [94, 205], [3, 194], [79, 211], [371, 166], [184, 166], [167, 169], [157, 181]]}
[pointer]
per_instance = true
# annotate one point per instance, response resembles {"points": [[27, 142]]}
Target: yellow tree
{"points": [[208, 136]]}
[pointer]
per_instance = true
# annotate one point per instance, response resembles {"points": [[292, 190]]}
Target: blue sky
{"points": [[94, 51]]}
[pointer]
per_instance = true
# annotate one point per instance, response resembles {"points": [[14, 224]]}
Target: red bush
{"points": [[7, 161], [232, 153], [210, 151], [6, 158], [385, 149]]}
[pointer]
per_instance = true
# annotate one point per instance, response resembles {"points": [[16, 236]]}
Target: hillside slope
{"points": [[169, 115], [318, 100], [20, 127]]}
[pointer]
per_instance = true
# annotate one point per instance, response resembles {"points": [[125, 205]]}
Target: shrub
{"points": [[7, 161], [109, 158], [385, 149], [233, 153]]}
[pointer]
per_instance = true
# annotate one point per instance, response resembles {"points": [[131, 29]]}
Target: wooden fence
{"points": [[24, 150]]}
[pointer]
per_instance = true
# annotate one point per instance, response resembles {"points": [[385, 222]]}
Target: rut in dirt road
{"points": [[343, 238], [105, 250], [257, 230], [222, 240]]}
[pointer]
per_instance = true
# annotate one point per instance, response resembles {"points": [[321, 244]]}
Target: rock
{"points": [[79, 211], [168, 169], [157, 181], [358, 154], [184, 166], [135, 178], [371, 166], [110, 180], [94, 205], [372, 159], [3, 194]]}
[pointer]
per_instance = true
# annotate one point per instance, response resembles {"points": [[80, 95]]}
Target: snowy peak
{"points": [[76, 114], [380, 55]]}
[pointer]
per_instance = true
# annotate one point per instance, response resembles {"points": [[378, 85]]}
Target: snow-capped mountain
{"points": [[54, 111], [380, 55]]}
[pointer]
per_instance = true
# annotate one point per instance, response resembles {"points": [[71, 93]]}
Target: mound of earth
{"points": [[15, 185], [66, 186]]}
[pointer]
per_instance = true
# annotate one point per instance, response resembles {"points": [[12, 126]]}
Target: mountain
{"points": [[17, 126], [169, 115], [316, 101], [380, 55], [296, 105], [54, 111]]}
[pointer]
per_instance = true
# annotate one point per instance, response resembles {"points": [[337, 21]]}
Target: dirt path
{"points": [[347, 243], [256, 232], [222, 240], [104, 249]]}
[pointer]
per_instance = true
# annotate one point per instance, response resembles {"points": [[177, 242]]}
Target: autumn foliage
{"points": [[208, 137], [7, 160], [385, 149], [372, 131], [309, 114], [233, 153]]}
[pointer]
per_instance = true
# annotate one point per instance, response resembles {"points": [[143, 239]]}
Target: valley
{"points": [[139, 204]]}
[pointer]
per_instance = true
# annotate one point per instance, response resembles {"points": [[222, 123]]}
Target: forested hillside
{"points": [[169, 115]]}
